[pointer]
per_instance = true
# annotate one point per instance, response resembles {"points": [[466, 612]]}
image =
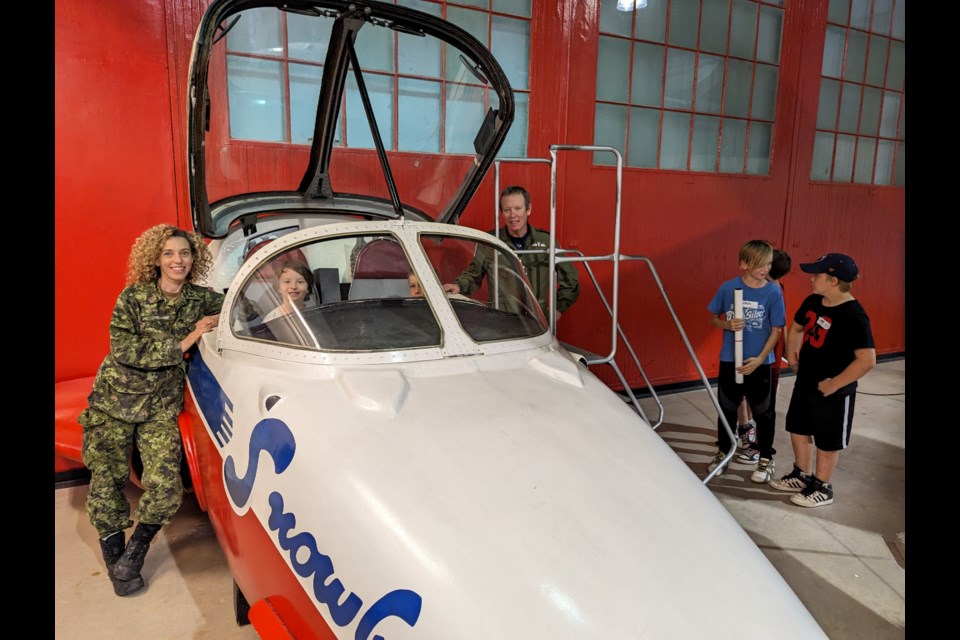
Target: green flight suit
{"points": [[537, 266], [137, 396]]}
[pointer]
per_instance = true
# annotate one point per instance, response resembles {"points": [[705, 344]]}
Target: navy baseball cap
{"points": [[838, 265]]}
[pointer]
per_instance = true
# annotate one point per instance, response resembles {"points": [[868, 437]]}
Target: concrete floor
{"points": [[845, 561]]}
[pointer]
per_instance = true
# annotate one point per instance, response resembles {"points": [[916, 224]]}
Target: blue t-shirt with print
{"points": [[763, 308]]}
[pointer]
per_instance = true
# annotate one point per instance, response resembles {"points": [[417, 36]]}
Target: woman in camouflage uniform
{"points": [[138, 394]]}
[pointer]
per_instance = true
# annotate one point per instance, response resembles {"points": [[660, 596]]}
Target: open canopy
{"points": [[328, 106]]}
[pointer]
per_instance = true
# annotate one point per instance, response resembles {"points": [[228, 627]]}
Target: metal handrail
{"points": [[613, 310]]}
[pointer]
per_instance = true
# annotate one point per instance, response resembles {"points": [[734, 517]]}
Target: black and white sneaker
{"points": [[794, 482], [817, 494]]}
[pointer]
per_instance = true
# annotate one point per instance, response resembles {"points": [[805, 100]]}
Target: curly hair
{"points": [[142, 263]]}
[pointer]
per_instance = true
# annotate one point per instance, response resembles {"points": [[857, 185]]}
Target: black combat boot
{"points": [[112, 545], [126, 573]]}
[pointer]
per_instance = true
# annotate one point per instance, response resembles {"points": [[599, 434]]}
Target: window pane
{"points": [[758, 160], [464, 104], [679, 89], [515, 7], [863, 172], [870, 112], [733, 144], [898, 20], [739, 78], [380, 89], [843, 160], [676, 139], [647, 82], [613, 21], [684, 16], [515, 146], [609, 130], [833, 52], [827, 108], [419, 115], [890, 114], [713, 26], [709, 83], [901, 160], [895, 66], [257, 31], [416, 55], [304, 90], [474, 3], [884, 162], [706, 138], [510, 43], [849, 107], [613, 69], [764, 92], [307, 38], [877, 60], [768, 42], [255, 92], [375, 49], [838, 11], [474, 23], [822, 156], [651, 23], [644, 133], [881, 16], [856, 56], [860, 14], [743, 29]]}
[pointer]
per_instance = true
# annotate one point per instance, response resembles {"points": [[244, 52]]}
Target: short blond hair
{"points": [[755, 253]]}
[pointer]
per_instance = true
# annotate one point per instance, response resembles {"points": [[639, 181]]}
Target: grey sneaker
{"points": [[717, 459], [748, 456], [817, 494], [794, 482], [764, 472]]}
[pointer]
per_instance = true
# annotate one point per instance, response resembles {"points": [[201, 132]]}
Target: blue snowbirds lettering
{"points": [[270, 435], [274, 437], [400, 603]]}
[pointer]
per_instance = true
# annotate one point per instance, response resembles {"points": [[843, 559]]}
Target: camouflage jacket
{"points": [[537, 266], [142, 377]]}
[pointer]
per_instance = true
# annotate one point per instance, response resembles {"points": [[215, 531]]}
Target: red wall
{"points": [[120, 110]]}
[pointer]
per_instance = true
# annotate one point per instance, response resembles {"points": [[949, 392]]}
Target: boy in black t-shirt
{"points": [[830, 337]]}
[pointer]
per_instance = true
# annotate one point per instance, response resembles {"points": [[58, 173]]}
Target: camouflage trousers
{"points": [[106, 450]]}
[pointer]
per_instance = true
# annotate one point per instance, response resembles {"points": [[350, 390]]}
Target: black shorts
{"points": [[828, 419]]}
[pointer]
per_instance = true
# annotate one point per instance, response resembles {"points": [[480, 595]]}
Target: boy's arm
{"points": [[719, 321], [864, 360], [750, 364], [791, 345]]}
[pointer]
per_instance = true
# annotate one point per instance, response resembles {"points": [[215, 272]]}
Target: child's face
{"points": [[414, 283], [292, 285], [757, 273], [822, 283]]}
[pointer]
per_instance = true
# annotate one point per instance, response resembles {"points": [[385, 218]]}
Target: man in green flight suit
{"points": [[516, 232]]}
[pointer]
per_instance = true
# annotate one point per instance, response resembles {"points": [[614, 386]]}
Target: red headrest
{"points": [[381, 259]]}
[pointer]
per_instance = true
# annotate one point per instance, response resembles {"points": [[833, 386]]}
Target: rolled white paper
{"points": [[738, 335]]}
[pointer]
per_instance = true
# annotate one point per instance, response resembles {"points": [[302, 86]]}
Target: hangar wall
{"points": [[120, 107]]}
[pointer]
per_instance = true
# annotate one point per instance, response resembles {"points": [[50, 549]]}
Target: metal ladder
{"points": [[616, 257]]}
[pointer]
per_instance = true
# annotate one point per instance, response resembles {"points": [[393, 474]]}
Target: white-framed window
{"points": [[688, 84], [860, 113], [275, 62]]}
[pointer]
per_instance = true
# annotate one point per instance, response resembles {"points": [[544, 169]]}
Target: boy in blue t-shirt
{"points": [[763, 319]]}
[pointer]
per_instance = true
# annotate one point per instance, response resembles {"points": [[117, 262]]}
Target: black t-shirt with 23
{"points": [[831, 335]]}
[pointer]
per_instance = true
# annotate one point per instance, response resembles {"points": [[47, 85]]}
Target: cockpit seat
{"points": [[380, 272]]}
